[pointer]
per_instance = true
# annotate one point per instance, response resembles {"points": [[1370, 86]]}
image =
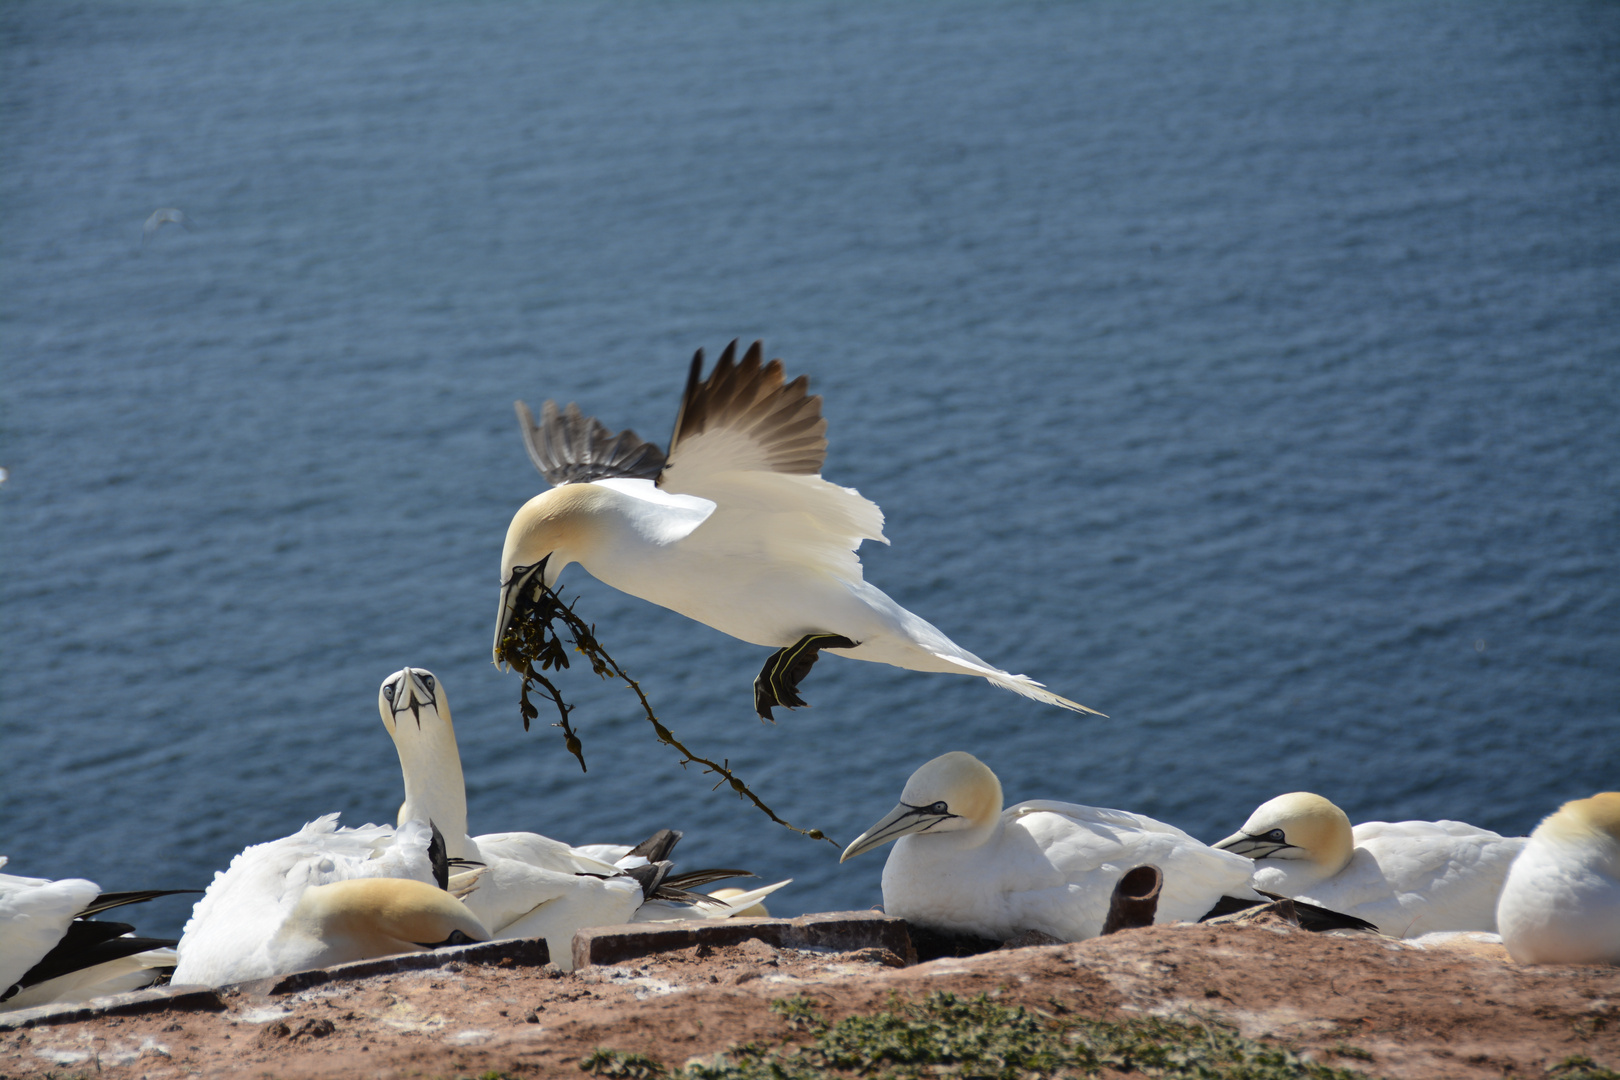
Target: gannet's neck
{"points": [[434, 788]]}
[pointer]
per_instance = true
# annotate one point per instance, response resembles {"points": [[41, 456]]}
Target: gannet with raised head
{"points": [[275, 910], [52, 951], [1409, 878], [964, 865], [734, 528], [532, 885], [1561, 901]]}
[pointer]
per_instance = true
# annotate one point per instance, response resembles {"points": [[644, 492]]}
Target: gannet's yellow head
{"points": [[368, 917], [411, 692], [1584, 820], [1298, 825], [954, 792], [548, 532]]}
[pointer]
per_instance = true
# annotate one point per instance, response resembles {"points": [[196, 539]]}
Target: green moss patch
{"points": [[945, 1036]]}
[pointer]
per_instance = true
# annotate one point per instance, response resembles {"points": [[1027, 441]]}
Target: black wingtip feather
{"points": [[656, 848], [569, 447]]}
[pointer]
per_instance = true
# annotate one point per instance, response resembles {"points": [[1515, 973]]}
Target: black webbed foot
{"points": [[778, 681]]}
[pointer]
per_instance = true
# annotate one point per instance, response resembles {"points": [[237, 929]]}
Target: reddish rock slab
{"points": [[835, 931]]}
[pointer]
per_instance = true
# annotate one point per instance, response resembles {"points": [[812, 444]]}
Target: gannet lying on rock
{"points": [[963, 865], [324, 895], [52, 951], [532, 885], [734, 528], [1561, 901], [1409, 877]]}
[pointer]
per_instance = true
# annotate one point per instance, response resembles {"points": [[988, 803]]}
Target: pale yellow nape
{"points": [[397, 910], [560, 522], [1310, 822], [1585, 817], [966, 785]]}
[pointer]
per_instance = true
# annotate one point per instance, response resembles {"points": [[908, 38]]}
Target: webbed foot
{"points": [[778, 681]]}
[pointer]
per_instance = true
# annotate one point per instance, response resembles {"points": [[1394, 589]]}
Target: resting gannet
{"points": [[1409, 878], [532, 885], [734, 528], [963, 865], [51, 951], [324, 895], [1561, 901]]}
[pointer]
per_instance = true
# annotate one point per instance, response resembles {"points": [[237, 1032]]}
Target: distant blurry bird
{"points": [[161, 218], [734, 527]]}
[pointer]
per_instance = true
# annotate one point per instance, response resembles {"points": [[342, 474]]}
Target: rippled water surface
{"points": [[1245, 371]]}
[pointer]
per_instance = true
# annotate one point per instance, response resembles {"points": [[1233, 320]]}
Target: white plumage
{"points": [[1561, 901], [1409, 878], [532, 885], [963, 864], [35, 915], [737, 530], [267, 914]]}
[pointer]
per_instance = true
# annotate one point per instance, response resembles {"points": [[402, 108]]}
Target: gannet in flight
{"points": [[161, 217], [734, 528], [1409, 877], [532, 885], [1561, 901], [52, 951], [963, 865], [324, 895]]}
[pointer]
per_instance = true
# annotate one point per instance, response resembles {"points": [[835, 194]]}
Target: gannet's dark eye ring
{"points": [[1276, 836], [388, 691], [427, 681], [939, 808]]}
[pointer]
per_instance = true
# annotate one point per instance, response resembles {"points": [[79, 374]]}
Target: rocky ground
{"points": [[1352, 1000]]}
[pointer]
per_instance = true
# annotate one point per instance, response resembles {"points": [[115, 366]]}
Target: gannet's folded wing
{"points": [[1410, 881], [754, 444], [1421, 830], [1095, 846], [571, 448], [34, 914], [544, 853]]}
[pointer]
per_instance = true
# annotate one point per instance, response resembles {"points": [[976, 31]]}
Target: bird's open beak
{"points": [[1255, 847], [900, 821], [511, 589]]}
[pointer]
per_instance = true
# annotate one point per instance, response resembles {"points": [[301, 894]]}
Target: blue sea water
{"points": [[1246, 371]]}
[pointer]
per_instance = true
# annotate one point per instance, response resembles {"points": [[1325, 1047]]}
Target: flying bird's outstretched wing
{"points": [[571, 448], [753, 444], [744, 418]]}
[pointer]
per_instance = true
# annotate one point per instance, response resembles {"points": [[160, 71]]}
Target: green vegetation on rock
{"points": [[945, 1036]]}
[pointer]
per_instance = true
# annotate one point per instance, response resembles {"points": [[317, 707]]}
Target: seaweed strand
{"points": [[532, 636]]}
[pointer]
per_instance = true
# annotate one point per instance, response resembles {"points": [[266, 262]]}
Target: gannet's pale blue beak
{"points": [[901, 821]]}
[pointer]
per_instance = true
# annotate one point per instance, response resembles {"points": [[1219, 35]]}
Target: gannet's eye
{"points": [[388, 691], [938, 808], [427, 681], [1276, 836]]}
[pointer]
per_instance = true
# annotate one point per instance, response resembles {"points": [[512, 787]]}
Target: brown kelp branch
{"points": [[532, 638]]}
